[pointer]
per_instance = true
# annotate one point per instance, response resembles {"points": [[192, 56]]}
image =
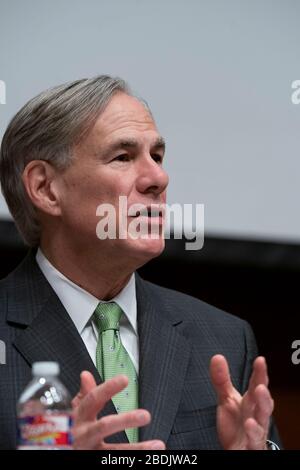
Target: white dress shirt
{"points": [[81, 305]]}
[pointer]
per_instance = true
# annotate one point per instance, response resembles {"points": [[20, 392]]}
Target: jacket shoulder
{"points": [[192, 308]]}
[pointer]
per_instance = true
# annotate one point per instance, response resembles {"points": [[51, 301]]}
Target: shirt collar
{"points": [[79, 303]]}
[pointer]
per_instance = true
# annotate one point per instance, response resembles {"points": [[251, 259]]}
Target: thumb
{"points": [[87, 383]]}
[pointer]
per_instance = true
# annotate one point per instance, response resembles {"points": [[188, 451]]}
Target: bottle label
{"points": [[49, 430]]}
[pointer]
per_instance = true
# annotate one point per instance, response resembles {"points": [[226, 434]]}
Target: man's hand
{"points": [[242, 421], [90, 432]]}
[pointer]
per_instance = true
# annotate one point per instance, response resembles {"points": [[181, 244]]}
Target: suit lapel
{"points": [[50, 334], [164, 356]]}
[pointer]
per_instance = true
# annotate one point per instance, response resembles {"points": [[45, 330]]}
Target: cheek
{"points": [[84, 192], [89, 190]]}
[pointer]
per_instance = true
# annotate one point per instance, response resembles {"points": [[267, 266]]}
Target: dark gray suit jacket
{"points": [[178, 336]]}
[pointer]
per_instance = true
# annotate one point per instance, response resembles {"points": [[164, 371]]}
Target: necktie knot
{"points": [[107, 316]]}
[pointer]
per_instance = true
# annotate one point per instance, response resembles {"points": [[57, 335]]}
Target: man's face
{"points": [[121, 156]]}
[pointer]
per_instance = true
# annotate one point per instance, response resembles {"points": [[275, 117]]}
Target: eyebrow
{"points": [[158, 144]]}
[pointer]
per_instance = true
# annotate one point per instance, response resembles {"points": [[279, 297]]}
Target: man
{"points": [[68, 151]]}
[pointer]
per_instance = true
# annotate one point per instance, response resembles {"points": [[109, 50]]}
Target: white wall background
{"points": [[217, 75]]}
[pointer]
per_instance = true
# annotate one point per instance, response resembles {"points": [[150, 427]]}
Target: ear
{"points": [[39, 181]]}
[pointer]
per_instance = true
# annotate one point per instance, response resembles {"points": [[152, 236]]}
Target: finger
{"points": [[264, 407], [145, 445], [220, 376], [256, 436], [87, 383], [91, 435], [259, 375], [115, 423], [96, 399]]}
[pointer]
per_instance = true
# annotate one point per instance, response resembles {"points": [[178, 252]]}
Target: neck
{"points": [[92, 273]]}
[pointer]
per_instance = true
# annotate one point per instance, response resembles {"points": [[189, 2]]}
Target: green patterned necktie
{"points": [[113, 359]]}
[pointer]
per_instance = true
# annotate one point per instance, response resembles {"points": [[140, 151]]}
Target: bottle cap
{"points": [[45, 368]]}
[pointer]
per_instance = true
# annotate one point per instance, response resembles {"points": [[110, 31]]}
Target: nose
{"points": [[152, 178]]}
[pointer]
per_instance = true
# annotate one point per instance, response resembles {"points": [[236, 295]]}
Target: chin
{"points": [[146, 249]]}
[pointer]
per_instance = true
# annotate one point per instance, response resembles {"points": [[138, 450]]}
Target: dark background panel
{"points": [[257, 281]]}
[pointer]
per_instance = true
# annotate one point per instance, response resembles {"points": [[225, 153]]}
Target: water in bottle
{"points": [[44, 411]]}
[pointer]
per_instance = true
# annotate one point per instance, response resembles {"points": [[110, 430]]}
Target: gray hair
{"points": [[47, 128]]}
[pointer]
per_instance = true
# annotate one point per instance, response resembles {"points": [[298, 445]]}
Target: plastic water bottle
{"points": [[44, 411]]}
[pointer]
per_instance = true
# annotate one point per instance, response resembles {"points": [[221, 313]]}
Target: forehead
{"points": [[123, 116]]}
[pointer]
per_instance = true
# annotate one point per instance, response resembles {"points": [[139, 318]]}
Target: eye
{"points": [[122, 158], [157, 158]]}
